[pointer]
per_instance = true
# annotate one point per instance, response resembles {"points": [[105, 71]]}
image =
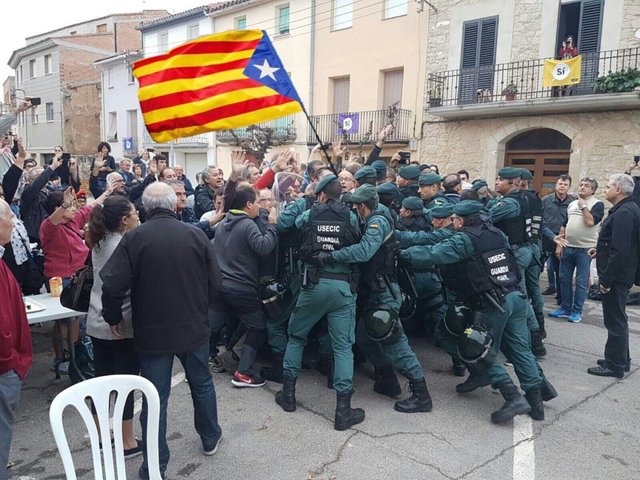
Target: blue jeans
{"points": [[579, 260], [157, 369]]}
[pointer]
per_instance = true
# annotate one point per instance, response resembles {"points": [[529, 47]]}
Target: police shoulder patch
{"points": [[374, 225]]}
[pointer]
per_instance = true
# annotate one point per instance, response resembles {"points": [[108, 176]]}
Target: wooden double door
{"points": [[545, 165]]}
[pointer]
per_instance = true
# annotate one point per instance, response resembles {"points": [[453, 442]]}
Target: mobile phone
{"points": [[65, 158], [636, 159], [35, 101], [405, 157], [150, 149]]}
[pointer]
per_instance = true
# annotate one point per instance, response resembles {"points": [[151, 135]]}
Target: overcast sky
{"points": [[25, 18]]}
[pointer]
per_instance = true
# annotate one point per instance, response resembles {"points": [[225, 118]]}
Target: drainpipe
{"points": [[312, 53]]}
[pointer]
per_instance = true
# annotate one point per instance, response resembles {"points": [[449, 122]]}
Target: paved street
{"points": [[591, 430]]}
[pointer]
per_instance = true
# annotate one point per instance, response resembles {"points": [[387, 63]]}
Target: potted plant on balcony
{"points": [[616, 82], [510, 91], [435, 97]]}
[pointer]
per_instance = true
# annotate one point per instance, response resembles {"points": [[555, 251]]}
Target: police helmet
{"points": [[275, 296], [474, 344], [380, 323], [407, 307], [457, 319]]}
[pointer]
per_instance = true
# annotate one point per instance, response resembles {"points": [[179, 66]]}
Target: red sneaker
{"points": [[240, 380]]}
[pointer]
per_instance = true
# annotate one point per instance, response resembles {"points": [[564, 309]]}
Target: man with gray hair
{"points": [[170, 272], [617, 253]]}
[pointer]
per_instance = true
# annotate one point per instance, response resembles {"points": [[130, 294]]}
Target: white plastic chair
{"points": [[99, 390]]}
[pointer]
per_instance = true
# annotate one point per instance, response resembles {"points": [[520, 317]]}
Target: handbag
{"points": [[77, 293], [34, 278]]}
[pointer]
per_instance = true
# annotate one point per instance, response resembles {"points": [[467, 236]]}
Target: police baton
{"points": [[493, 301], [412, 285]]}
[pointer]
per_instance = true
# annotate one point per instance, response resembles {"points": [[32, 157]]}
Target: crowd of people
{"points": [[339, 259]]}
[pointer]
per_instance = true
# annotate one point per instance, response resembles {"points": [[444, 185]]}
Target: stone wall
{"points": [[630, 32], [602, 143], [527, 26]]}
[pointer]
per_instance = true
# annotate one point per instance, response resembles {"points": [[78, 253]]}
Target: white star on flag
{"points": [[267, 70]]}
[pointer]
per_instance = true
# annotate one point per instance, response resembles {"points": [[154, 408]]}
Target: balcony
{"points": [[477, 92], [363, 126], [201, 140], [282, 131]]}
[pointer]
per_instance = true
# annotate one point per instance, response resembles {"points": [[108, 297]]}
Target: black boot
{"points": [[546, 390], [273, 373], [386, 382], [419, 401], [543, 332], [286, 397], [515, 404], [346, 417], [459, 368], [474, 380], [534, 398], [537, 347]]}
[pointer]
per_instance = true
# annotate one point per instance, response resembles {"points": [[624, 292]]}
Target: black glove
{"points": [[404, 258], [322, 258]]}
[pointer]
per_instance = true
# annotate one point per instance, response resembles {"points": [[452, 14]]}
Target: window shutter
{"points": [[392, 88], [589, 42], [590, 19], [478, 57], [341, 95]]}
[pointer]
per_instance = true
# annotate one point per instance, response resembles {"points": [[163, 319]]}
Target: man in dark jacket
{"points": [[243, 245], [171, 271], [617, 254], [32, 209], [204, 195]]}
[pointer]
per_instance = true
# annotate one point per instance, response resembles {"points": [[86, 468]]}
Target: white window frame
{"points": [[342, 14], [32, 68], [49, 108], [279, 28], [237, 20], [163, 41], [112, 132], [190, 31], [48, 64], [395, 8], [131, 79]]}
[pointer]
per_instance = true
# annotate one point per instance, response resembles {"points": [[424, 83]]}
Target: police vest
{"points": [[328, 229], [383, 261], [492, 267], [520, 229], [535, 207], [293, 237]]}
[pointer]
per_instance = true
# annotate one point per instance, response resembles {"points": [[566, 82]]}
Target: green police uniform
{"points": [[507, 323], [507, 211], [385, 292], [325, 291]]}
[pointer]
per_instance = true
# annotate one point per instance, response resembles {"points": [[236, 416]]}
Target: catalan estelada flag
{"points": [[215, 82]]}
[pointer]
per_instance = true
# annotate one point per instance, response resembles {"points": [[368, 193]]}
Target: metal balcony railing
{"points": [[284, 131], [199, 140], [369, 124], [486, 84]]}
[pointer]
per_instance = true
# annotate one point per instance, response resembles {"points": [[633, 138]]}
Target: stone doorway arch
{"points": [[496, 144]]}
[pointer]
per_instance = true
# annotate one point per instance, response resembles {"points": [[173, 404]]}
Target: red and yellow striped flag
{"points": [[216, 82]]}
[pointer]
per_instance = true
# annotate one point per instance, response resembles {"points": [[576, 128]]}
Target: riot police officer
{"points": [[408, 181], [326, 290], [366, 175], [479, 266], [413, 216], [521, 221], [429, 189], [380, 333]]}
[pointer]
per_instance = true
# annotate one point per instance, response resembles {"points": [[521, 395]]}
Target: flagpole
{"points": [[322, 147]]}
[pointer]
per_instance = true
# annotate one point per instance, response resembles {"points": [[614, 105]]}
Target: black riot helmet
{"points": [[474, 344], [457, 319], [407, 307], [381, 323], [275, 296]]}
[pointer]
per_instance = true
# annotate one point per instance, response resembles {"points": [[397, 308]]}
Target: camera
{"points": [[65, 158]]}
